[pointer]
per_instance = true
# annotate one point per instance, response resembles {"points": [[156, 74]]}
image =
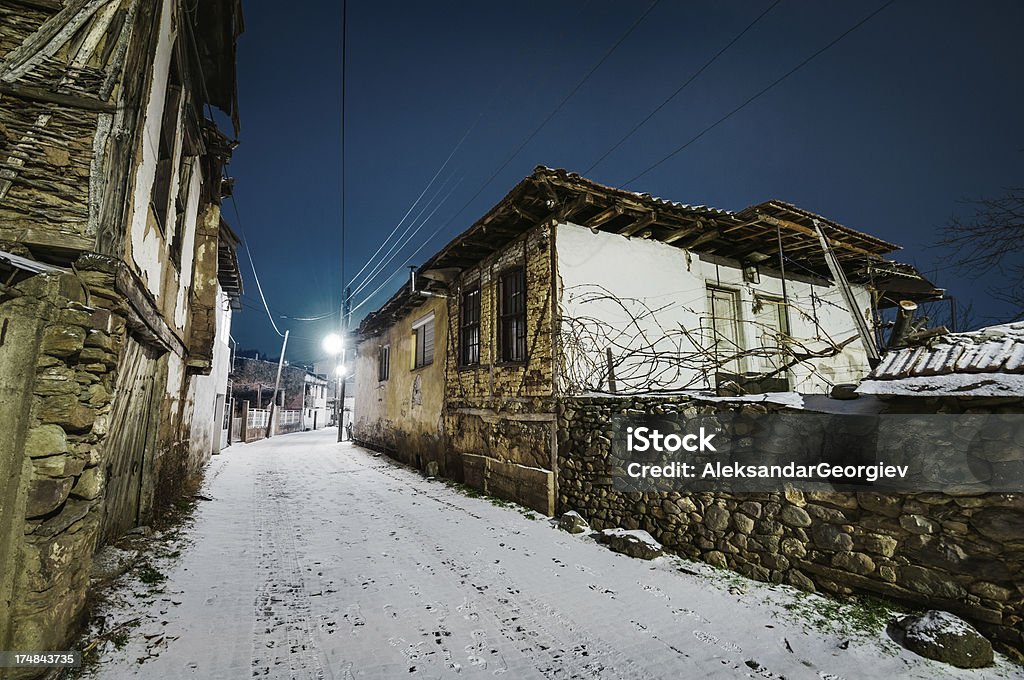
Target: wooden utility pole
{"points": [[345, 313], [277, 384], [347, 291]]}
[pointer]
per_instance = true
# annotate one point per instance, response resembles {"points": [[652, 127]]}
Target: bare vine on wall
{"points": [[649, 355]]}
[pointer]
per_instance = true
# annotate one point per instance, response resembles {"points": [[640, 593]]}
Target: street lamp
{"points": [[334, 345]]}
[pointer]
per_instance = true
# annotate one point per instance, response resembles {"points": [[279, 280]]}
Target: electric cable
{"points": [[761, 92], [682, 87]]}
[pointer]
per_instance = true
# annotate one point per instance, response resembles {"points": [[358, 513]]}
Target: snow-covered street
{"points": [[321, 560]]}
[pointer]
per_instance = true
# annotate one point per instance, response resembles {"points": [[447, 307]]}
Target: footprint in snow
{"points": [[354, 616], [654, 590], [715, 640], [690, 613]]}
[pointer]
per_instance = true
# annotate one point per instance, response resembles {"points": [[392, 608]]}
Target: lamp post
{"points": [[334, 345]]}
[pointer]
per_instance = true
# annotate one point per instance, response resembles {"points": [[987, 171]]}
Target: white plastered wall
{"points": [[601, 273], [148, 247], [205, 390]]}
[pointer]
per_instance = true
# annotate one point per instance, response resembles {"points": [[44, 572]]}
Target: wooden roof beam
{"points": [[566, 212], [645, 221], [743, 225], [605, 216], [702, 238], [678, 234], [810, 232]]}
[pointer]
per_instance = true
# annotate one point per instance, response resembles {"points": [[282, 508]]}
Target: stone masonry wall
{"points": [[499, 416], [62, 479], [964, 554]]}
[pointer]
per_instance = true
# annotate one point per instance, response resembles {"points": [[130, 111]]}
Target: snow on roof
{"points": [[983, 363]]}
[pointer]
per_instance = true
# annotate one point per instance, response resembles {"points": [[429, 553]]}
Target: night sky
{"points": [[887, 132]]}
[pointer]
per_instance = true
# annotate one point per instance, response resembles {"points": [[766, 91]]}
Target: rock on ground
{"points": [[635, 543], [573, 522], [943, 637]]}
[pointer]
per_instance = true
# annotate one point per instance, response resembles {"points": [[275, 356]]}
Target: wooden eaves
{"points": [[551, 196]]}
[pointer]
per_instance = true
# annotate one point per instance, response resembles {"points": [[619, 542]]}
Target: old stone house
{"points": [[569, 304], [567, 287], [119, 280]]}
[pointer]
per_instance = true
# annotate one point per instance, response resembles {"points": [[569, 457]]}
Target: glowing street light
{"points": [[333, 344]]}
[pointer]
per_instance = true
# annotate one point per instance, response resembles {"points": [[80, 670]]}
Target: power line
{"points": [[529, 137], [774, 83], [682, 87], [412, 207], [399, 244], [553, 112], [404, 264], [383, 264], [252, 265]]}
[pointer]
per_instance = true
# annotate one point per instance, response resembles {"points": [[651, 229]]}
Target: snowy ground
{"points": [[320, 560]]}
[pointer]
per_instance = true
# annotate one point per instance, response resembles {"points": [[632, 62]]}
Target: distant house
{"points": [[568, 287], [301, 392]]}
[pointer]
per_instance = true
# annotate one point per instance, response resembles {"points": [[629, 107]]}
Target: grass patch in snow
{"points": [[150, 575], [471, 492], [857, 616]]}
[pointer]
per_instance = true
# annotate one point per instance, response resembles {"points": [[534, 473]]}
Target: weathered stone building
{"points": [[119, 278], [526, 412], [568, 287]]}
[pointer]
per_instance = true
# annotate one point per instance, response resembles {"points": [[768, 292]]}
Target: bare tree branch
{"points": [[992, 239]]}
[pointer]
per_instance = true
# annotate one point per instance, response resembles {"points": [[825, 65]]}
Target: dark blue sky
{"points": [[885, 132]]}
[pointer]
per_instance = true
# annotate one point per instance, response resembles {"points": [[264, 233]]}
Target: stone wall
{"points": [[964, 554], [499, 416], [57, 504]]}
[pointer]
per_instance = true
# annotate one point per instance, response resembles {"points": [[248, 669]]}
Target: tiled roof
{"points": [[987, 362]]}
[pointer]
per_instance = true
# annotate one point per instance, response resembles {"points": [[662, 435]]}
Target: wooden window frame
{"points": [[737, 322], [420, 357], [512, 315], [469, 327]]}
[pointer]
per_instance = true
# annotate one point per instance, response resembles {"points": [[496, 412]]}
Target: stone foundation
{"points": [[56, 506]]}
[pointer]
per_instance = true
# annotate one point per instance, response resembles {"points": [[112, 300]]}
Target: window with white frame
{"points": [[726, 347], [423, 341]]}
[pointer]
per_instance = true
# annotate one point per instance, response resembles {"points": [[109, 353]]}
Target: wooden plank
{"points": [[645, 221], [566, 212], [604, 216], [46, 5], [810, 232], [678, 234], [734, 227], [48, 39], [703, 238], [146, 310], [73, 101]]}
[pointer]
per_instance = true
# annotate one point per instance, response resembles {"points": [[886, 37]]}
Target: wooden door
{"points": [[131, 441]]}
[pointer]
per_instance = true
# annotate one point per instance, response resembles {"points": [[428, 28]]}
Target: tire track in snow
{"points": [[283, 642]]}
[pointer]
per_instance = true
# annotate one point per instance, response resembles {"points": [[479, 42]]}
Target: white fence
{"points": [[258, 417]]}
